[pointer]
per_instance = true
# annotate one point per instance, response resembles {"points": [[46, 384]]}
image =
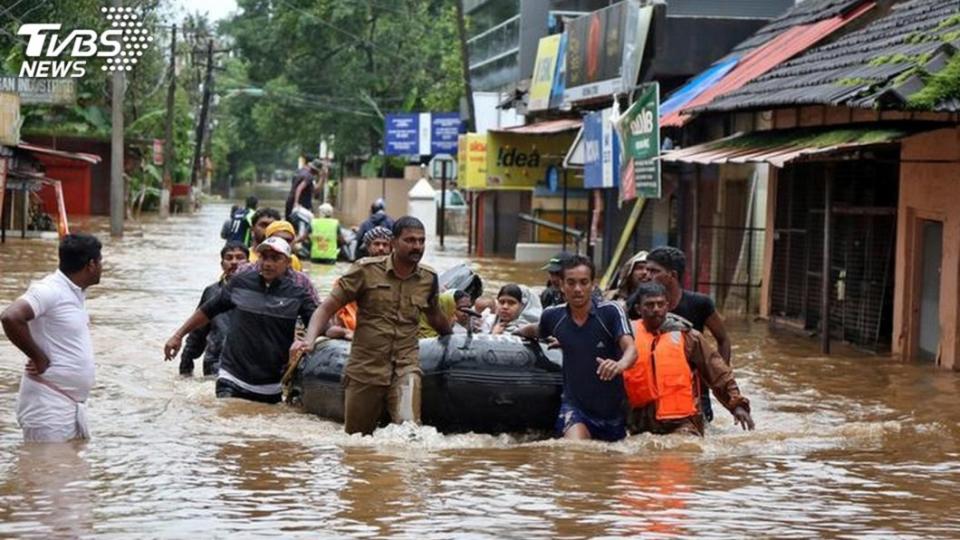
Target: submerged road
{"points": [[850, 445]]}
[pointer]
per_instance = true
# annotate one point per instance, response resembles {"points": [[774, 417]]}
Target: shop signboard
{"points": [[639, 128], [601, 149], [543, 73], [520, 161]]}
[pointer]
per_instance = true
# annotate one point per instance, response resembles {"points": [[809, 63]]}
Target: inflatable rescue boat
{"points": [[478, 383]]}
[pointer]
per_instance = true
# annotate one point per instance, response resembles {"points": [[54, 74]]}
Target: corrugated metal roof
{"points": [[765, 58], [548, 127], [92, 159], [781, 147]]}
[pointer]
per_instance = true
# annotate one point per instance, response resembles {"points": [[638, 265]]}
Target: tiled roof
{"points": [[881, 65], [806, 12]]}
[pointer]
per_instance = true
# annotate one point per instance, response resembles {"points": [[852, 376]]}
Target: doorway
{"points": [[931, 259]]}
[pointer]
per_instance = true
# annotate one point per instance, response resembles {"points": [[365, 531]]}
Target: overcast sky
{"points": [[216, 9]]}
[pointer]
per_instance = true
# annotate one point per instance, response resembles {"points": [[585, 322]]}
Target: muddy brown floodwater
{"points": [[846, 446]]}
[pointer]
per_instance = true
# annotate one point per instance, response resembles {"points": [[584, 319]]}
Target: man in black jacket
{"points": [[266, 305], [208, 339]]}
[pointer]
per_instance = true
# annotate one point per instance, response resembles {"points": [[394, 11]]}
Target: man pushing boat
{"points": [[391, 291]]}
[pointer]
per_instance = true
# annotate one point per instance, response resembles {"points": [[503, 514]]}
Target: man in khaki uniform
{"points": [[391, 291]]}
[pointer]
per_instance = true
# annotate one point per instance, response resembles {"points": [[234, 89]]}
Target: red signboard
{"points": [[158, 152]]}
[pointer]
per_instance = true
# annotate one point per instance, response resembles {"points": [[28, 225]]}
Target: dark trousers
{"points": [[226, 389]]}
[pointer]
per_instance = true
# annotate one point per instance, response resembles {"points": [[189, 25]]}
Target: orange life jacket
{"points": [[348, 314], [662, 374]]}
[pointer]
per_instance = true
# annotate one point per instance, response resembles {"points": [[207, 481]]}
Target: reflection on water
{"points": [[849, 445]]}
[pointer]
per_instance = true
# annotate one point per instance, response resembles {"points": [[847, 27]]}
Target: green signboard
{"points": [[640, 132]]}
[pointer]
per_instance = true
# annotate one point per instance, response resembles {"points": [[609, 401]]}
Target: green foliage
{"points": [[330, 70], [942, 86]]}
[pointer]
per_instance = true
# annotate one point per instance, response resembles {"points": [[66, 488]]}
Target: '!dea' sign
{"points": [[53, 53]]}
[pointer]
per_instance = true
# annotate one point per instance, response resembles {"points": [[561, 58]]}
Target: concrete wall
{"points": [[356, 195], [929, 189]]}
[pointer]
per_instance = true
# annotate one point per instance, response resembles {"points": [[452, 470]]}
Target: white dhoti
{"points": [[46, 413]]}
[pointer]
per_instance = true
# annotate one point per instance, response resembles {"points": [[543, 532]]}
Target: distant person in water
{"points": [[664, 385], [50, 325], [378, 218]]}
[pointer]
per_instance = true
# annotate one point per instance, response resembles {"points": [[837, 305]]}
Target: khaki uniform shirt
{"points": [[385, 342]]}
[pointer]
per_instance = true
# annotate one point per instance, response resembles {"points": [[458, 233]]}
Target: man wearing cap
{"points": [[551, 295], [266, 304], [325, 238], [301, 192], [282, 229]]}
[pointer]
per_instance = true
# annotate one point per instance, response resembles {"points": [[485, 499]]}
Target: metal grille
{"points": [[861, 263], [730, 251]]}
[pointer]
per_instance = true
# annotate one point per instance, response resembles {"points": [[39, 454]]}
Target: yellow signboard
{"points": [[472, 161], [520, 160], [543, 71]]}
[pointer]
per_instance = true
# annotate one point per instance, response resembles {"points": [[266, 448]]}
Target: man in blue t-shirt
{"points": [[597, 346]]}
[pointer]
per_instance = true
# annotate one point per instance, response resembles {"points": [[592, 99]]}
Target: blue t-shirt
{"points": [[581, 346]]}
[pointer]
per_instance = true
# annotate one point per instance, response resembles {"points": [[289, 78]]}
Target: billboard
{"points": [[601, 149], [472, 161], [640, 129], [604, 50], [543, 73], [520, 160]]}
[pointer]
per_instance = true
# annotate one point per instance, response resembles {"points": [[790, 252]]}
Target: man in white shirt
{"points": [[50, 324]]}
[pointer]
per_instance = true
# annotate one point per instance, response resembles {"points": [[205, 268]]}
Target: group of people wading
{"points": [[634, 359]]}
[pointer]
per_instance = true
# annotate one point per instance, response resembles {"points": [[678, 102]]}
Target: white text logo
{"points": [[53, 53]]}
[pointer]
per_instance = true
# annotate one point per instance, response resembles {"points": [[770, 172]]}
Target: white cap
{"points": [[276, 244]]}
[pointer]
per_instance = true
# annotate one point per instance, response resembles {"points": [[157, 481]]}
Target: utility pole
{"points": [[202, 124], [116, 152], [465, 62], [168, 128]]}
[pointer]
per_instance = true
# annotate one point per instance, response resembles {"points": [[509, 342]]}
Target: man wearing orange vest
{"points": [[663, 386]]}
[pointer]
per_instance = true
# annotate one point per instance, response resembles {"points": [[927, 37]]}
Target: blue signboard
{"points": [[402, 138], [444, 133], [601, 152]]}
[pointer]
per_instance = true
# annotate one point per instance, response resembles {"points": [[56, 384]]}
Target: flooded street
{"points": [[850, 445]]}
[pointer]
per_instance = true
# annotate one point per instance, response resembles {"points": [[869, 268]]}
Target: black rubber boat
{"points": [[479, 383]]}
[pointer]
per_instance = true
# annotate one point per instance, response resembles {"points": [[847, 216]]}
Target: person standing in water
{"points": [[391, 292], [598, 346], [208, 340], [50, 325], [664, 385], [266, 304]]}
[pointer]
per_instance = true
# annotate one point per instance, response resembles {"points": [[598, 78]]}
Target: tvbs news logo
{"points": [[53, 53]]}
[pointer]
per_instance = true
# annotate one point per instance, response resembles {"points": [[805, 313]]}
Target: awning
{"points": [[549, 127], [697, 85], [92, 159], [764, 58], [781, 147]]}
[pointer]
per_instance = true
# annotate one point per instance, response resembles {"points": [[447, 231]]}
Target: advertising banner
{"points": [[601, 146], [472, 161], [543, 73], [520, 161], [604, 50], [640, 130]]}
